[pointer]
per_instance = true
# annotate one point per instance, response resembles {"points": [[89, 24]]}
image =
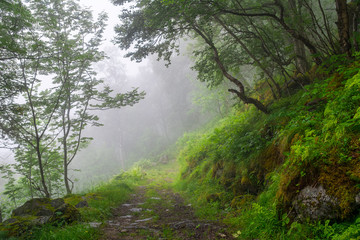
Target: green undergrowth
{"points": [[248, 167], [101, 199]]}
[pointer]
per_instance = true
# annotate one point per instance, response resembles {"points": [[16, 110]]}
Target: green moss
{"points": [[73, 199], [242, 202], [16, 226]]}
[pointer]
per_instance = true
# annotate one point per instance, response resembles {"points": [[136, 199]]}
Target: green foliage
{"points": [[48, 123], [76, 232], [101, 200], [109, 195], [232, 139], [315, 131]]}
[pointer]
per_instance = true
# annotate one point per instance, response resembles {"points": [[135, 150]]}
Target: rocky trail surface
{"points": [[154, 212]]}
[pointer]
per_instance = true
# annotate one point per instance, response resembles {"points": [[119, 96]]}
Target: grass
{"points": [[101, 200], [271, 158], [73, 232]]}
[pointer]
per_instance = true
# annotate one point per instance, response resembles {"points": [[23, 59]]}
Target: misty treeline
{"points": [[282, 38], [49, 91], [174, 103]]}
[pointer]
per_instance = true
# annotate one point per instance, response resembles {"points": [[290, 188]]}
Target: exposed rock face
{"points": [[39, 211], [315, 204]]}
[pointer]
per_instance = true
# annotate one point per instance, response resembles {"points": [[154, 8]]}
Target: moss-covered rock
{"points": [[39, 211], [66, 213], [35, 207], [315, 203]]}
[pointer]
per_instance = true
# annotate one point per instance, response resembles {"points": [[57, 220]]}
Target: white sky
{"points": [[131, 68], [97, 6]]}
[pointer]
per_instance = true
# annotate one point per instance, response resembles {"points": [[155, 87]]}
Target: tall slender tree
{"points": [[59, 89]]}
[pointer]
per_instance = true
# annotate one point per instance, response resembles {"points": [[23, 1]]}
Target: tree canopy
{"points": [[277, 36]]}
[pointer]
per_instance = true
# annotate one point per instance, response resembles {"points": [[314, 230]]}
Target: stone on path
{"points": [[143, 220], [135, 209]]}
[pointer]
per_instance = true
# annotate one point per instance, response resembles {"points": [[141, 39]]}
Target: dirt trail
{"points": [[156, 213]]}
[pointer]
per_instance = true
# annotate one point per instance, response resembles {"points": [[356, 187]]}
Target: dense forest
{"points": [[244, 122]]}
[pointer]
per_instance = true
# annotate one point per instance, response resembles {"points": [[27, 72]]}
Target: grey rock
{"points": [[357, 199], [315, 204], [39, 211], [65, 213], [136, 209], [94, 224], [82, 204], [127, 205], [144, 220], [40, 220], [9, 221], [57, 202], [34, 207], [155, 198]]}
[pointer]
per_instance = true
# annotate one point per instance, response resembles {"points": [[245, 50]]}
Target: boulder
{"points": [[66, 213], [82, 204], [34, 207], [57, 202], [315, 204], [39, 211]]}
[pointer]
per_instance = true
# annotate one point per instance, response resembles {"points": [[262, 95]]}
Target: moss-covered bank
{"points": [[252, 167]]}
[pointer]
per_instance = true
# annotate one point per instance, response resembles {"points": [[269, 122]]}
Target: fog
{"points": [[146, 129]]}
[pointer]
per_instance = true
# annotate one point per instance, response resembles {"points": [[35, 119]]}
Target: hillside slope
{"points": [[292, 174]]}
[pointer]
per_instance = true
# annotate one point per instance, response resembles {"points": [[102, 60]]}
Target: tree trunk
{"points": [[354, 24], [241, 92], [343, 26], [299, 48], [66, 131], [30, 182], [66, 181], [249, 100], [263, 68], [41, 169], [37, 148]]}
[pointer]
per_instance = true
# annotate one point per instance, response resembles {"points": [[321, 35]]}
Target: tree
{"points": [[26, 122], [256, 33], [14, 18], [156, 27], [76, 38], [343, 25], [59, 89]]}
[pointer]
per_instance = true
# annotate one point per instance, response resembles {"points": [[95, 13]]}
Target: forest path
{"points": [[156, 212]]}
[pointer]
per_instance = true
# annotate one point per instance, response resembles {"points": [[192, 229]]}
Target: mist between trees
{"points": [[174, 103], [258, 52], [69, 112]]}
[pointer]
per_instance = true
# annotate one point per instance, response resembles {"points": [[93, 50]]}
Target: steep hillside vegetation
{"points": [[291, 174]]}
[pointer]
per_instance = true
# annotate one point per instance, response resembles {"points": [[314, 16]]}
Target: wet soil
{"points": [[155, 213]]}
